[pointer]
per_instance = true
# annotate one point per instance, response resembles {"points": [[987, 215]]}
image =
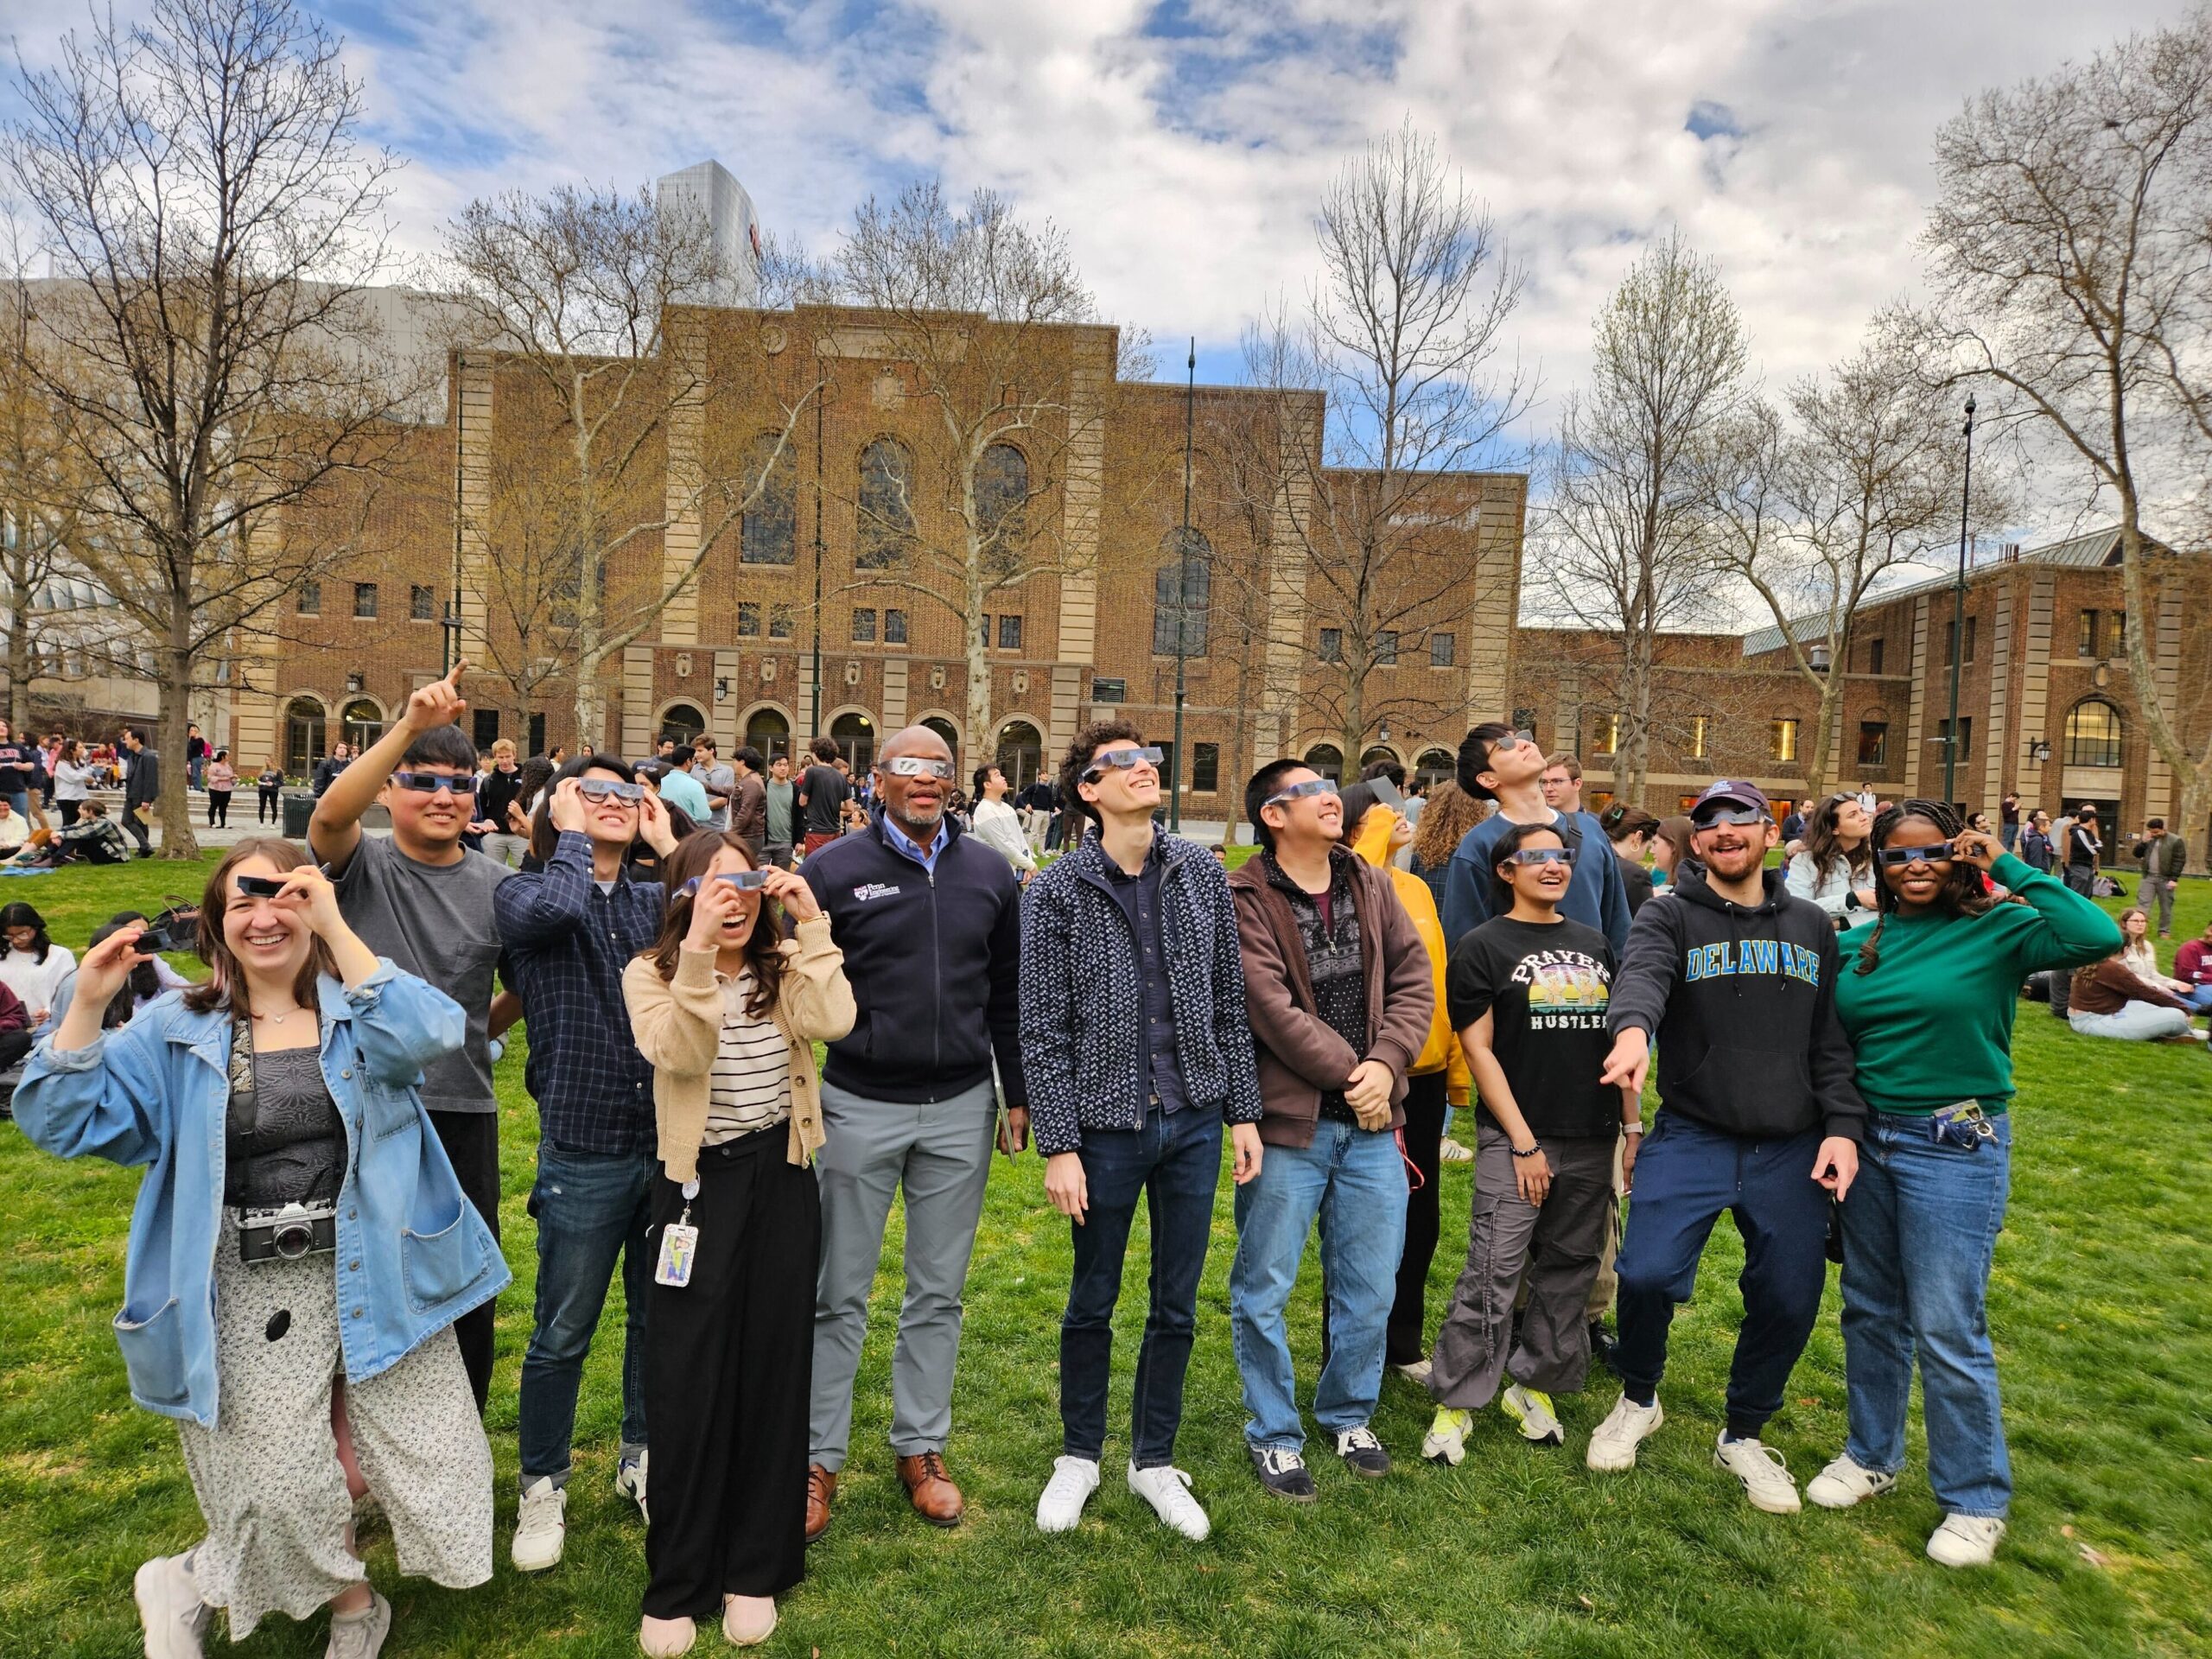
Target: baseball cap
{"points": [[1732, 790]]}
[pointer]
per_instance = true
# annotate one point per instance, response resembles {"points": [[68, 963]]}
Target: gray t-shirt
{"points": [[724, 778], [782, 801], [433, 920]]}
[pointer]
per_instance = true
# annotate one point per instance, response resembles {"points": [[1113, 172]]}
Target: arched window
{"points": [[1020, 753], [1435, 766], [303, 735], [855, 736], [771, 531], [946, 729], [364, 724], [1327, 759], [768, 731], [1001, 493], [2093, 733], [1376, 752], [682, 721], [886, 511], [1181, 594]]}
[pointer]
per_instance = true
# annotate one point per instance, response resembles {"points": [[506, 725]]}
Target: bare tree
{"points": [[197, 181], [1624, 532], [2070, 256], [1813, 509], [588, 305]]}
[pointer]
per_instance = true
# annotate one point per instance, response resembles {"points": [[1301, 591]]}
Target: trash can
{"points": [[298, 809]]}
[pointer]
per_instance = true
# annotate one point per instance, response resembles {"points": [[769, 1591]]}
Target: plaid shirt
{"points": [[566, 945]]}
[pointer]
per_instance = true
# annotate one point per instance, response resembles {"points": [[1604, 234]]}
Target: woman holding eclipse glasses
{"points": [[726, 1013], [1927, 995]]}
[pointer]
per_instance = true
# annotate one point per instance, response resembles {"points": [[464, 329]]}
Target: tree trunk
{"points": [[2195, 795], [1816, 766], [177, 838], [19, 656], [1353, 734], [1634, 765], [981, 742]]}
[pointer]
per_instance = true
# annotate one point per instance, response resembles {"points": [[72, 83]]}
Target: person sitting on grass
{"points": [[2140, 956], [2193, 967], [300, 1252], [1529, 992], [2111, 999], [1927, 997], [31, 964], [95, 838]]}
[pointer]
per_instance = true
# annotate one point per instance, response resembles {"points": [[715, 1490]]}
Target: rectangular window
{"points": [[895, 627], [484, 726], [1333, 646], [2085, 636], [1604, 735], [1781, 740], [779, 621], [538, 734], [1966, 736], [1700, 729], [748, 619], [365, 601], [2117, 635], [310, 600], [864, 626], [1873, 743], [1386, 648], [1874, 656], [1109, 691], [421, 602], [1443, 650], [1206, 768], [1009, 633]]}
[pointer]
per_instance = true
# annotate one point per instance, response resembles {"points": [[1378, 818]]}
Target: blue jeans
{"points": [[590, 1207], [1919, 1229], [2198, 997], [1686, 1176], [1174, 1163], [1353, 1180]]}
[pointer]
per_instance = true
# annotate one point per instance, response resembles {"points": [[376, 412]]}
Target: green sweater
{"points": [[1933, 1022]]}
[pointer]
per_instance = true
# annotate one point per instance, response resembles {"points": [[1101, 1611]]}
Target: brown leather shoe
{"points": [[821, 1488], [937, 1500]]}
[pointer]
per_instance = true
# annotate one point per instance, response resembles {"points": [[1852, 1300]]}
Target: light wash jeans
{"points": [[2138, 1022], [1919, 1229], [1353, 1180]]}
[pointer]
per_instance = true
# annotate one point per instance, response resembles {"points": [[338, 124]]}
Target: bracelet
{"points": [[1631, 1129], [1531, 1153]]}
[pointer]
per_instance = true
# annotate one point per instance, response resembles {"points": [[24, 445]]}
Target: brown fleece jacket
{"points": [[1300, 1056]]}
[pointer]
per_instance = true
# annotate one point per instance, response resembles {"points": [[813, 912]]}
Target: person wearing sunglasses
{"points": [[422, 898], [1137, 1049], [1927, 995], [929, 921], [1528, 993], [1496, 763], [1734, 981], [570, 929], [1340, 994]]}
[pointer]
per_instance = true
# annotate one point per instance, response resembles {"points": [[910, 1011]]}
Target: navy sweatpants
{"points": [[1686, 1176]]}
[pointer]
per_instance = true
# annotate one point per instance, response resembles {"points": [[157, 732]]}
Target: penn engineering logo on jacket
{"points": [[1775, 957], [869, 890], [1567, 990]]}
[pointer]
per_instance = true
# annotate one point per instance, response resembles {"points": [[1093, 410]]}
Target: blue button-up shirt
{"points": [[567, 944], [925, 856], [1138, 898]]}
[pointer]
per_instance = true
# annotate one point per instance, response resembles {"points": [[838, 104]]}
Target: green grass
{"points": [[2101, 1305]]}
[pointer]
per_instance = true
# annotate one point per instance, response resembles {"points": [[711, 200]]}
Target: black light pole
{"points": [[1183, 592], [814, 720], [1958, 620]]}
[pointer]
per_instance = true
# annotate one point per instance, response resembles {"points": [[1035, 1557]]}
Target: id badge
{"points": [[680, 1246]]}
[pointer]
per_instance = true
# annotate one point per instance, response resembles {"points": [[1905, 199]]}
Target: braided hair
{"points": [[1962, 894]]}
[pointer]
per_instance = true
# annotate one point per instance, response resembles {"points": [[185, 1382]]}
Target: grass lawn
{"points": [[2101, 1305]]}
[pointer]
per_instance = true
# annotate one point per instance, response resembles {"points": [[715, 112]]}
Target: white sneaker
{"points": [[1060, 1505], [540, 1525], [1416, 1372], [1843, 1483], [1966, 1541], [1762, 1470], [1532, 1409], [360, 1635], [169, 1607], [1168, 1491], [630, 1481], [1446, 1440], [1613, 1442]]}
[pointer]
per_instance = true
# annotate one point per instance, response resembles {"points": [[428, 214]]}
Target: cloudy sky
{"points": [[1183, 144]]}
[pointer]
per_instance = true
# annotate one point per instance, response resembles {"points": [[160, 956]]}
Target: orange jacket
{"points": [[1441, 1052]]}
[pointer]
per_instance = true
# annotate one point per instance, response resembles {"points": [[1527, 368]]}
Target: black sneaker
{"points": [[1602, 1344], [1363, 1453], [1282, 1471]]}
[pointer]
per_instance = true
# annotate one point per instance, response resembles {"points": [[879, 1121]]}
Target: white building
{"points": [[708, 189]]}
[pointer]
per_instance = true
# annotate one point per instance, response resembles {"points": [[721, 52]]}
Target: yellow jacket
{"points": [[1441, 1052]]}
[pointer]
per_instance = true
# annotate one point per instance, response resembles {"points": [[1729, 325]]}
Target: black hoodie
{"points": [[1741, 1004]]}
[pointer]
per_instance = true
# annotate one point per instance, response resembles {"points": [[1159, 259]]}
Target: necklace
{"points": [[278, 1018]]}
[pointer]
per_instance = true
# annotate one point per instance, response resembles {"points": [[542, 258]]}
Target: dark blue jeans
{"points": [[590, 1207], [1687, 1175], [1174, 1163]]}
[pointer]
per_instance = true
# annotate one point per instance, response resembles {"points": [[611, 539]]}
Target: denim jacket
{"points": [[412, 1257]]}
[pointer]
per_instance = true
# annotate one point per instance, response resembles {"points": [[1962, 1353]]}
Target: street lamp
{"points": [[1183, 594], [1820, 658], [1958, 617]]}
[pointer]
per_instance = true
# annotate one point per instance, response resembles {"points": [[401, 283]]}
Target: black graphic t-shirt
{"points": [[1545, 987]]}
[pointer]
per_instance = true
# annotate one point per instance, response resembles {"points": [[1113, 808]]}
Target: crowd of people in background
{"points": [[987, 968]]}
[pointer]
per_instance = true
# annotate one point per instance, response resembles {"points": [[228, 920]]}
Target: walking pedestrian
{"points": [[497, 793], [222, 778], [2084, 850], [73, 778], [2164, 856], [822, 794], [269, 786]]}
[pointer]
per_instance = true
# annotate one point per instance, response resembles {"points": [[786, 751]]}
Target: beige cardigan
{"points": [[678, 1024]]}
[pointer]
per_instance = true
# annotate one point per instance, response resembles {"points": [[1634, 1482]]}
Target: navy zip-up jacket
{"points": [[934, 959]]}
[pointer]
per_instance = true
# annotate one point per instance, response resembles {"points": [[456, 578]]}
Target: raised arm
{"points": [[2068, 929], [335, 830], [533, 909]]}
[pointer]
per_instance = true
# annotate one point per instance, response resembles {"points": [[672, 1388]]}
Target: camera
{"points": [[287, 1232]]}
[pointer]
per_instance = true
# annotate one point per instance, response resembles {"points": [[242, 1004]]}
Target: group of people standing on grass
{"points": [[311, 1276]]}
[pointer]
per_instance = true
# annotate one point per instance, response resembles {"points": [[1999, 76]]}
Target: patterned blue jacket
{"points": [[1083, 997]]}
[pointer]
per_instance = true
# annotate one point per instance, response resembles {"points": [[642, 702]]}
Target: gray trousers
{"points": [[941, 1154], [1555, 1246], [2157, 894]]}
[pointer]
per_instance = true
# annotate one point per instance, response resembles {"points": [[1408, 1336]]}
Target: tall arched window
{"points": [[1020, 753], [364, 722], [303, 735], [886, 512], [1182, 593], [1435, 766], [855, 736], [2093, 733], [770, 733], [770, 532], [1327, 759], [1001, 493], [946, 729], [682, 721]]}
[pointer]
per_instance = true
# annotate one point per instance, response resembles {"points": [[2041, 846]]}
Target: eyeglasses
{"points": [[1893, 857], [1513, 742], [743, 881], [916, 766], [1543, 855], [1300, 792], [1122, 760], [610, 789], [1741, 818], [430, 783]]}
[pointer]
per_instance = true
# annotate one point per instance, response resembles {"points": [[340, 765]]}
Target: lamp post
{"points": [[814, 719], [1182, 591], [1958, 620]]}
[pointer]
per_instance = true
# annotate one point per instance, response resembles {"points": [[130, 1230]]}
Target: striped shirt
{"points": [[750, 1088]]}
